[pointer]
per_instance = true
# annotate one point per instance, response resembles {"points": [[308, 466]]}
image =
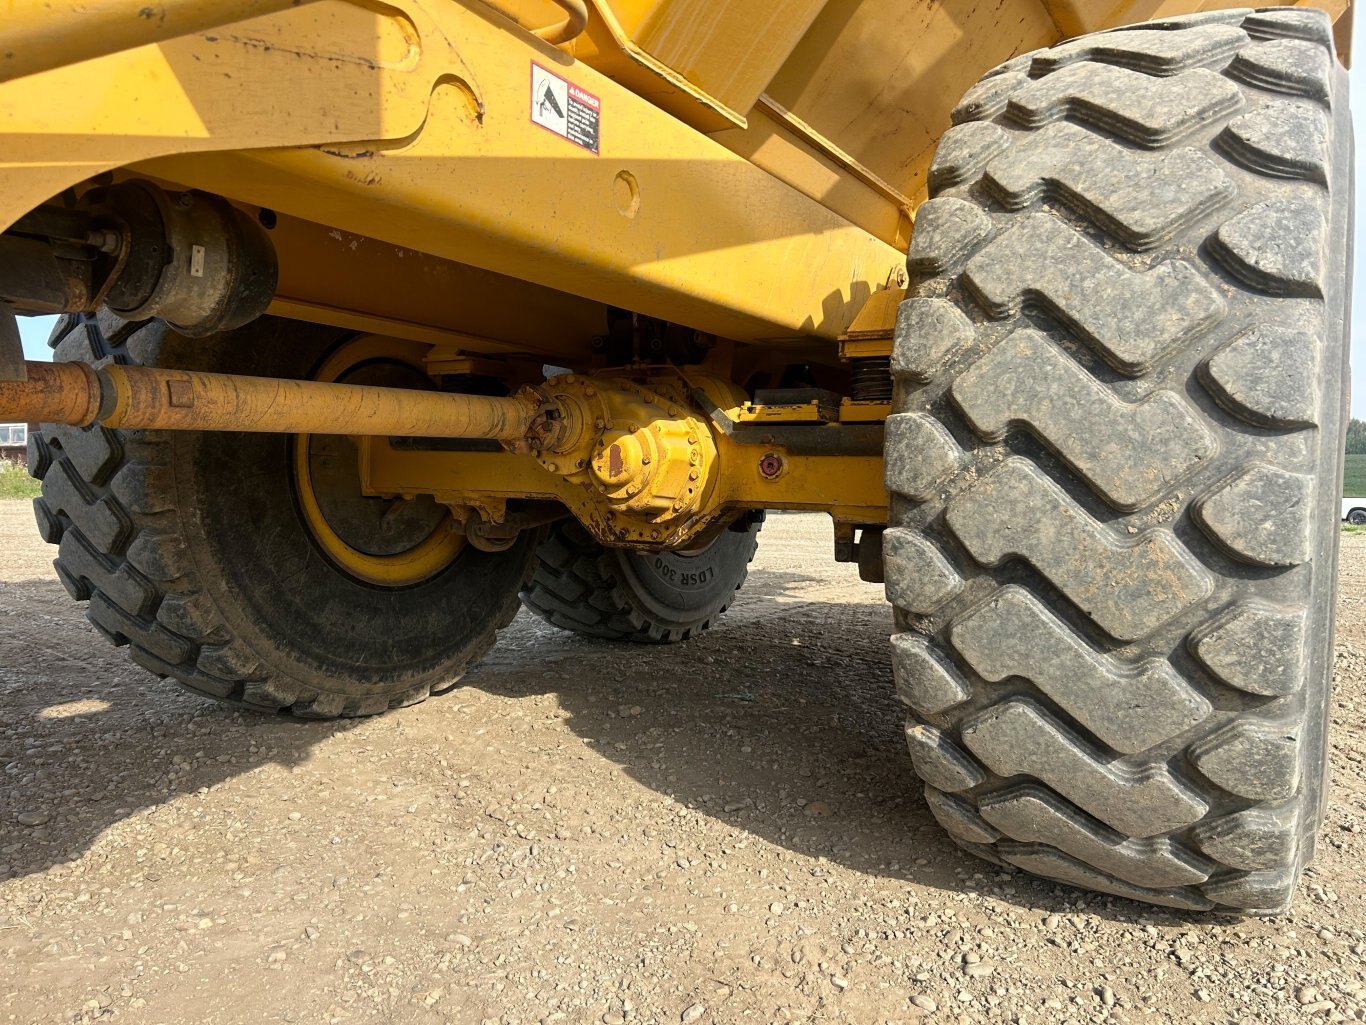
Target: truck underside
{"points": [[557, 298]]}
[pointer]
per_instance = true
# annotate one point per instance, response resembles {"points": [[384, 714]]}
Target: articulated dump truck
{"points": [[381, 319]]}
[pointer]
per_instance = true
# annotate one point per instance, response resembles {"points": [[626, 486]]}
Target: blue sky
{"points": [[35, 329]]}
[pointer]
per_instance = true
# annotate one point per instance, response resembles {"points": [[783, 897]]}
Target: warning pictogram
{"points": [[564, 108]]}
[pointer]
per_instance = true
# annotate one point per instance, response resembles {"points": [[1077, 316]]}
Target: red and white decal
{"points": [[565, 109]]}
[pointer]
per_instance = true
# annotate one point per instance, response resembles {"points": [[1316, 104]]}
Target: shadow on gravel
{"points": [[87, 737], [780, 722]]}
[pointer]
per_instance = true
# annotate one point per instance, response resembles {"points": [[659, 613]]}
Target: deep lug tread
{"points": [[110, 502], [1092, 291], [1032, 814], [581, 586], [1146, 111], [1026, 380], [1154, 53], [1130, 708], [1142, 199], [1296, 67], [959, 818], [1118, 565], [1128, 585], [1053, 864], [1282, 139]]}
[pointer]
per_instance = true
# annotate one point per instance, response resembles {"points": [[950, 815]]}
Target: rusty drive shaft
{"points": [[150, 397]]}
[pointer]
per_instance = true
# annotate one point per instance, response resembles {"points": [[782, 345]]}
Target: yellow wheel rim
{"points": [[423, 560]]}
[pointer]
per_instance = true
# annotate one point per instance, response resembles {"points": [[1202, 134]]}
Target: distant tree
{"points": [[1356, 437]]}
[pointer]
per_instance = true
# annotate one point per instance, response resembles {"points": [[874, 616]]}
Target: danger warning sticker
{"points": [[564, 108]]}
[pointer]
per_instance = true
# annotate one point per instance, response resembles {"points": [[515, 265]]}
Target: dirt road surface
{"points": [[723, 832]]}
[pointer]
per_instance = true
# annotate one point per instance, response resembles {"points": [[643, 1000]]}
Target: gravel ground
{"points": [[722, 832]]}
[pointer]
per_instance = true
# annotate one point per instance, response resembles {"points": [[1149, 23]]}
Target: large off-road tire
{"points": [[656, 598], [1117, 458], [193, 549]]}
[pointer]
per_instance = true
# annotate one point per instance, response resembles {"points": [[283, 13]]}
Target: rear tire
{"points": [[650, 598], [191, 548], [1117, 458]]}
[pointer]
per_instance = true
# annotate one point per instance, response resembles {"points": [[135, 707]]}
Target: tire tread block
{"points": [[1130, 708], [924, 679], [1251, 759], [1146, 111], [1261, 892], [1031, 814], [101, 520], [1130, 454], [1255, 648], [1159, 53], [1018, 738], [1276, 247], [919, 578], [1142, 199], [988, 97], [929, 332], [1282, 139], [1295, 67], [118, 580], [1291, 23], [1253, 839], [1268, 376], [917, 454], [946, 231], [1129, 588], [940, 762], [577, 585], [963, 152], [154, 637], [95, 452], [959, 818], [1130, 317], [1262, 517], [1058, 866]]}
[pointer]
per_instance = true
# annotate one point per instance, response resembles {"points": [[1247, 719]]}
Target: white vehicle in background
{"points": [[1354, 511]]}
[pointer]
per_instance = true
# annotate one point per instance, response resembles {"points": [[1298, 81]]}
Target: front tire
{"points": [[194, 549], [1117, 458]]}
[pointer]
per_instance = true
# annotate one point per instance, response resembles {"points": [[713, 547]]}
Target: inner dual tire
{"points": [[650, 598]]}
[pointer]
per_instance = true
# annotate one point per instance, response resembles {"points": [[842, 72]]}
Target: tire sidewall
{"points": [[302, 617], [683, 590]]}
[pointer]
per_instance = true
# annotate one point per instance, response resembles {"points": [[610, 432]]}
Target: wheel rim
{"points": [[384, 544]]}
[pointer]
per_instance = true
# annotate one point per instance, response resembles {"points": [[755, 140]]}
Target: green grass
{"points": [[16, 483], [1354, 484]]}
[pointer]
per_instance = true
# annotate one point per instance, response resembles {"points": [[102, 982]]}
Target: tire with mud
{"points": [[655, 598], [1116, 458], [194, 549]]}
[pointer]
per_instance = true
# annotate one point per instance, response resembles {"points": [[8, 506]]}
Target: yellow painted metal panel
{"points": [[663, 220], [329, 71], [433, 100], [731, 50], [44, 34], [879, 77]]}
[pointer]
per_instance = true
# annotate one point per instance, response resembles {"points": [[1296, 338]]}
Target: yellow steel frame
{"points": [[408, 122], [853, 493]]}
